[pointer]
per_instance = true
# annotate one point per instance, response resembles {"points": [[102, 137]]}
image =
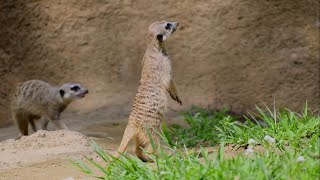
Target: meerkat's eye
{"points": [[75, 88], [168, 26]]}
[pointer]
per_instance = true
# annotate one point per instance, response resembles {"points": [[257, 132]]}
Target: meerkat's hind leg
{"points": [[152, 146], [139, 150], [55, 119], [22, 120], [33, 125], [45, 122], [32, 119]]}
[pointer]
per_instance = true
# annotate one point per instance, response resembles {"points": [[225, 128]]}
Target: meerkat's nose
{"points": [[86, 91]]}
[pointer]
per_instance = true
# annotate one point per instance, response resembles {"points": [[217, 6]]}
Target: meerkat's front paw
{"points": [[179, 101], [176, 98], [19, 137]]}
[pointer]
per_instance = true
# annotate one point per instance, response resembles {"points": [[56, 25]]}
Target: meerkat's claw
{"points": [[179, 101], [146, 159], [17, 138], [176, 98]]}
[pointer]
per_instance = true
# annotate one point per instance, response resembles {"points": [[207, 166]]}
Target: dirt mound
{"points": [[42, 146], [225, 52]]}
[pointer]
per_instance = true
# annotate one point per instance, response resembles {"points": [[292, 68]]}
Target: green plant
{"points": [[209, 128], [297, 138], [203, 126], [186, 164]]}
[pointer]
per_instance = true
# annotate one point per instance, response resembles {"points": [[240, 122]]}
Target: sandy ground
{"points": [[46, 154], [44, 151], [42, 145]]}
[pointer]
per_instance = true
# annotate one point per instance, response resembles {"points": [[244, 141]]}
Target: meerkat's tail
{"points": [[127, 136]]}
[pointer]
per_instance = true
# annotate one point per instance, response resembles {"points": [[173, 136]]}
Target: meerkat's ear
{"points": [[61, 92], [161, 37]]}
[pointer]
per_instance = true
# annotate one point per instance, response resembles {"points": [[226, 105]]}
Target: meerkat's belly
{"points": [[149, 106]]}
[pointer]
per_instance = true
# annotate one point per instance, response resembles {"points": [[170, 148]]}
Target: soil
{"points": [[46, 154], [43, 154], [40, 146]]}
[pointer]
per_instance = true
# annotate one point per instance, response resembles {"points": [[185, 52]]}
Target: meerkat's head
{"points": [[161, 30], [71, 91]]}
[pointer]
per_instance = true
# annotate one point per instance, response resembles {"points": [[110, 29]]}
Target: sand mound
{"points": [[42, 146]]}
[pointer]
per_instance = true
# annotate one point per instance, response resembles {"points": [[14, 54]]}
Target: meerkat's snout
{"points": [[176, 24], [82, 92]]}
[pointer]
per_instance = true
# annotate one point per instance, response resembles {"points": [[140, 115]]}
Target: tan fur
{"points": [[151, 99], [36, 99]]}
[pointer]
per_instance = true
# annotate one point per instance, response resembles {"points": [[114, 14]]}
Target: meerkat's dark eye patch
{"points": [[75, 88], [61, 92], [160, 37], [168, 26]]}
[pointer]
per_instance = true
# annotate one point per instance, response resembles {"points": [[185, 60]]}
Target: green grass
{"points": [[295, 135], [209, 128]]}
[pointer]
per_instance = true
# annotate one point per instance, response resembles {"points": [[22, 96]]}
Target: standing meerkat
{"points": [[36, 99], [151, 99]]}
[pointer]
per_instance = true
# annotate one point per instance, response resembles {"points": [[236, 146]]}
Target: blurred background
{"points": [[226, 53]]}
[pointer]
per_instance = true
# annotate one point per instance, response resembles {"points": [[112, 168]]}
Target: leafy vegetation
{"points": [[290, 141], [209, 128]]}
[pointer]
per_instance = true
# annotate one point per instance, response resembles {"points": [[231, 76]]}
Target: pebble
{"points": [[269, 139], [251, 141], [300, 159]]}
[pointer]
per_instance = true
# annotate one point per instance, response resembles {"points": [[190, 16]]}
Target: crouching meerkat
{"points": [[36, 99], [151, 99]]}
